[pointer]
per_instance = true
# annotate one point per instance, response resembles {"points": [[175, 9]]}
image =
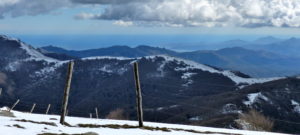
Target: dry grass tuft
{"points": [[117, 114], [6, 114], [254, 120]]}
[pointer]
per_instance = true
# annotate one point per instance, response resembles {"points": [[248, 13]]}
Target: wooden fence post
{"points": [[14, 105], [96, 109], [66, 93], [48, 108], [0, 91], [138, 95], [33, 106]]}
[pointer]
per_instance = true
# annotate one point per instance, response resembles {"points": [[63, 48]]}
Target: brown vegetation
{"points": [[117, 114], [6, 114], [254, 120]]}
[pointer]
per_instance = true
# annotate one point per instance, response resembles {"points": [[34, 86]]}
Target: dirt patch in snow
{"points": [[35, 122], [148, 128], [88, 133], [18, 126]]}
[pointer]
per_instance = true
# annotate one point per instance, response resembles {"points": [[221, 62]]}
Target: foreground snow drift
{"points": [[29, 124]]}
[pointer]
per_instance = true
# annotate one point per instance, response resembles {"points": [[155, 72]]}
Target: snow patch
{"points": [[122, 70], [13, 66], [161, 69], [50, 69], [196, 118], [173, 106], [189, 82], [187, 75], [249, 81], [168, 107], [159, 108], [105, 68], [294, 102], [106, 57], [296, 106], [252, 98], [5, 108]]}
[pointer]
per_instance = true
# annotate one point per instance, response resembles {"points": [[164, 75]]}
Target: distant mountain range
{"points": [[289, 47], [255, 61], [225, 44], [286, 47], [267, 40], [174, 90]]}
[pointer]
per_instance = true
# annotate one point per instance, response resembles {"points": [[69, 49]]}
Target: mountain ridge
{"points": [[257, 63], [174, 90]]}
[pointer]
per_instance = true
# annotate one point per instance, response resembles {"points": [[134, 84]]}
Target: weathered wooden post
{"points": [[33, 106], [14, 105], [66, 93], [90, 115], [138, 94], [96, 109], [0, 91], [48, 108]]}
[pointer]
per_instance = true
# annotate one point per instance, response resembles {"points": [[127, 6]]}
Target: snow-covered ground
{"points": [[11, 126]]}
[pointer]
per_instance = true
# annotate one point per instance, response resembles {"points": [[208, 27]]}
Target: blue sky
{"points": [[99, 23]]}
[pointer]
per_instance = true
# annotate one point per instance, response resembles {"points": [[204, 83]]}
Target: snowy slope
{"points": [[32, 52], [106, 57], [37, 56], [11, 126], [193, 65], [227, 73]]}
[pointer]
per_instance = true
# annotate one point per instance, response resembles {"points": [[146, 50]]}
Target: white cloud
{"points": [[8, 2], [17, 8], [83, 16], [173, 13], [123, 23], [106, 1], [210, 13]]}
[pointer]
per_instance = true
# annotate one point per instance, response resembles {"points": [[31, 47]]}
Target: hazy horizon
{"points": [[174, 42], [81, 24]]}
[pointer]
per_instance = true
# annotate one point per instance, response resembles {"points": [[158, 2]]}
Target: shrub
{"points": [[117, 114], [254, 120], [6, 114]]}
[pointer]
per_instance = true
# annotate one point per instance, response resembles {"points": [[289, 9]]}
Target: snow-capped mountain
{"points": [[21, 50], [174, 90]]}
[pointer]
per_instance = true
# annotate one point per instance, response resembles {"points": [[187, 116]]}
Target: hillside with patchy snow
{"points": [[174, 90]]}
